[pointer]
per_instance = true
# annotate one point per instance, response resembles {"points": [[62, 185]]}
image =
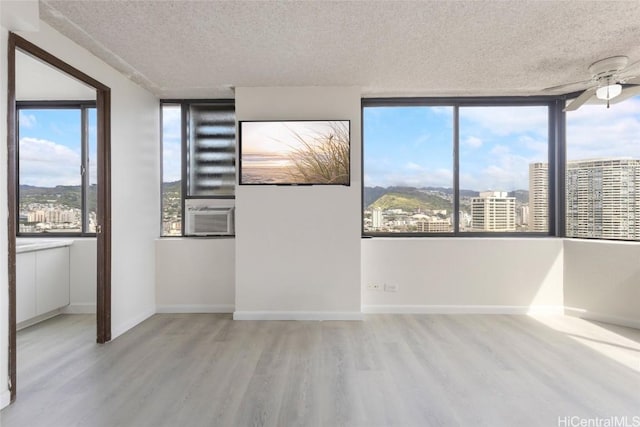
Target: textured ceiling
{"points": [[184, 49]]}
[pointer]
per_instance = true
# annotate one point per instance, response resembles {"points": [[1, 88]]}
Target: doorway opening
{"points": [[94, 198]]}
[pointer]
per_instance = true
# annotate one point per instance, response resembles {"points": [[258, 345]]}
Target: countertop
{"points": [[30, 245]]}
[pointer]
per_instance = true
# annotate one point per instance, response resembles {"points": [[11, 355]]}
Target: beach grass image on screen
{"points": [[294, 152]]}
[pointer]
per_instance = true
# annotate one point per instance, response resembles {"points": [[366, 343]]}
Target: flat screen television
{"points": [[295, 152]]}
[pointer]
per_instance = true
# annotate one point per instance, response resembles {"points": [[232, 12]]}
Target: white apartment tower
{"points": [[493, 211], [377, 219], [603, 198], [538, 197]]}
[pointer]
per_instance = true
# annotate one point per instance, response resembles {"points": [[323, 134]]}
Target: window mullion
{"points": [[184, 114], [84, 168], [456, 170]]}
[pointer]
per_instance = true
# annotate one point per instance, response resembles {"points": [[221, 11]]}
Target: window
{"points": [[408, 169], [433, 167], [603, 171], [504, 152], [171, 170], [56, 158], [198, 158]]}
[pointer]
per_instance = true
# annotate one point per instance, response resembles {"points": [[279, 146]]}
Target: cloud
{"points": [[503, 168], [171, 143], [414, 166], [594, 131], [171, 161], [45, 163], [472, 141], [421, 140], [500, 150], [171, 122], [503, 121], [412, 175], [27, 120]]}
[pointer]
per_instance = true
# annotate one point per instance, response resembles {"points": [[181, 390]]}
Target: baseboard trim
{"points": [[463, 309], [195, 308], [601, 317], [118, 330], [297, 315], [80, 308], [5, 399], [38, 319]]}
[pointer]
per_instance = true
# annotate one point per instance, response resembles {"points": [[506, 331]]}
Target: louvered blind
{"points": [[212, 150]]}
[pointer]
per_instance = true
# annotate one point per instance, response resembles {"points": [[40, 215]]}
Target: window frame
{"points": [[555, 158], [184, 105], [83, 106]]}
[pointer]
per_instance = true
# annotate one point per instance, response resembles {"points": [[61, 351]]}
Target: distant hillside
{"points": [[172, 187], [463, 192], [68, 195], [412, 202], [521, 196], [425, 198]]}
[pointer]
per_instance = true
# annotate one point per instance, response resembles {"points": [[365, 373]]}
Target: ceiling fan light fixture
{"points": [[609, 91]]}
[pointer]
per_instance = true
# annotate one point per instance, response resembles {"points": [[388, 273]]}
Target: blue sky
{"points": [[50, 147], [171, 143], [413, 145], [403, 146]]}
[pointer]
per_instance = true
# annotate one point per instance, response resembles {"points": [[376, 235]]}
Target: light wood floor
{"points": [[389, 370]]}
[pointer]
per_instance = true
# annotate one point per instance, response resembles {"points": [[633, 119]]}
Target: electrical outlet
{"points": [[374, 287], [390, 287]]}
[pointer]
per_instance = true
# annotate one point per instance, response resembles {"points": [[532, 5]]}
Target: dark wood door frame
{"points": [[103, 109]]}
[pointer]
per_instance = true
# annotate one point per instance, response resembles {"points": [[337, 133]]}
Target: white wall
{"points": [[514, 275], [135, 163], [195, 275], [602, 280], [83, 276], [298, 248]]}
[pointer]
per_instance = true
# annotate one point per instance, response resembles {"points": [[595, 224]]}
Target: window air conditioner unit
{"points": [[209, 221]]}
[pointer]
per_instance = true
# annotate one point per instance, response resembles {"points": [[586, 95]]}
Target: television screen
{"points": [[304, 152]]}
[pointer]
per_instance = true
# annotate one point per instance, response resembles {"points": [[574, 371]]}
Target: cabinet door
{"points": [[25, 286], [52, 278]]}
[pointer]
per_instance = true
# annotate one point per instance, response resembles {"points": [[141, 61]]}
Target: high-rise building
{"points": [[377, 219], [493, 211], [523, 215], [603, 198], [538, 197], [434, 225]]}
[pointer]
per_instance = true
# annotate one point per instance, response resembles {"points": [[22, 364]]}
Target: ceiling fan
{"points": [[612, 81]]}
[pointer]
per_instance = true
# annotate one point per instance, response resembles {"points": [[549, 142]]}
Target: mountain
{"points": [[67, 195], [412, 202], [521, 196], [172, 187], [426, 198]]}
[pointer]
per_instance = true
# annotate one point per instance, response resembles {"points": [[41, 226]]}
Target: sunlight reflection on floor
{"points": [[619, 343]]}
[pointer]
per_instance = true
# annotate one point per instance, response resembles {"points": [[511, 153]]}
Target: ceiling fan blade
{"points": [[630, 70], [580, 100], [569, 87], [628, 91]]}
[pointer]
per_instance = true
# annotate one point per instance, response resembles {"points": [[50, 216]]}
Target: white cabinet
{"points": [[25, 286], [42, 282], [52, 279]]}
